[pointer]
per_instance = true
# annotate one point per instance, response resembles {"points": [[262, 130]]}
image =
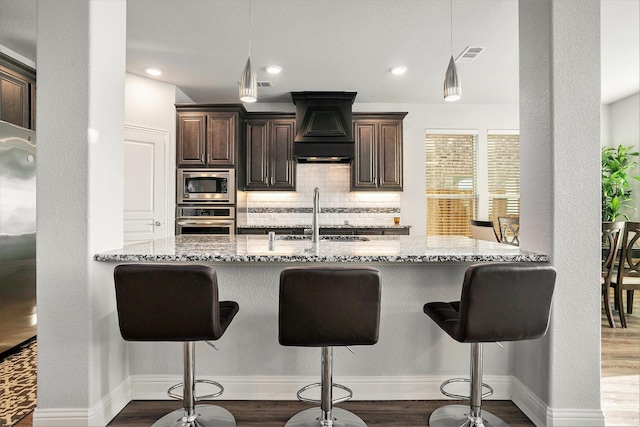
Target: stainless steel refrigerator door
{"points": [[17, 235]]}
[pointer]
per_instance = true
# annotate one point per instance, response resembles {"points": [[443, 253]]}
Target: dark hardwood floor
{"points": [[405, 413]]}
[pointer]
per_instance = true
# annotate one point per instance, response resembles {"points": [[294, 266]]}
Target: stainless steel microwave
{"points": [[206, 186]]}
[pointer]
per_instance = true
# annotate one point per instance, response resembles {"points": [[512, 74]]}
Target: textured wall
{"points": [[560, 213], [80, 132]]}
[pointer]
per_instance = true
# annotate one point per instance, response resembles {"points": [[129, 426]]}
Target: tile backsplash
{"points": [[337, 203]]}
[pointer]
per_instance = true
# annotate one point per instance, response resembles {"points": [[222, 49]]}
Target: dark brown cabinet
{"points": [[17, 93], [269, 153], [378, 159], [209, 135]]}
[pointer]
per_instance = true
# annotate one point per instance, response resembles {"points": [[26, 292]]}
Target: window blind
{"points": [[451, 183], [503, 157]]}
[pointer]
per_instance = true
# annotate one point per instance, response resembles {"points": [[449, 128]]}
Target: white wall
{"points": [[623, 118]]}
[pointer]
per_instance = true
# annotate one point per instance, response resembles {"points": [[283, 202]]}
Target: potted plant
{"points": [[616, 192]]}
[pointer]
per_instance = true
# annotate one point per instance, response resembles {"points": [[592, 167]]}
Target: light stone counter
{"points": [[288, 249]]}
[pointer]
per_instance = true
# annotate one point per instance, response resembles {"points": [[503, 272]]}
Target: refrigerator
{"points": [[18, 315]]}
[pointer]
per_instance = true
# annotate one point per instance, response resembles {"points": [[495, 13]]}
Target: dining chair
{"points": [[483, 230], [509, 229], [611, 237], [628, 277]]}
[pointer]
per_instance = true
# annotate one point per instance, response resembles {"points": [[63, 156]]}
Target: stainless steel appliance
{"points": [[206, 186], [17, 236], [205, 219]]}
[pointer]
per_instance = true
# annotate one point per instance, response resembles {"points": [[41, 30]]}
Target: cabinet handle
{"points": [[273, 180]]}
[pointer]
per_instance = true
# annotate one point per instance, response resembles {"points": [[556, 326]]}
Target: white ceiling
{"points": [[350, 45]]}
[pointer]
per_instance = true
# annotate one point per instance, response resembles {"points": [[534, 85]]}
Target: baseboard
{"points": [[153, 387], [98, 415], [543, 416]]}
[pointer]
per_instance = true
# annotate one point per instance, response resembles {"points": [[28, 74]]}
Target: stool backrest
{"points": [[325, 306], [505, 302], [167, 302]]}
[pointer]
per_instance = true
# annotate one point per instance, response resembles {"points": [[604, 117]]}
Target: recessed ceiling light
{"points": [[152, 71], [399, 69], [273, 69]]}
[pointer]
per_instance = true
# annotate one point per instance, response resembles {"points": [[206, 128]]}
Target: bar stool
{"points": [[176, 302], [326, 307], [499, 302]]}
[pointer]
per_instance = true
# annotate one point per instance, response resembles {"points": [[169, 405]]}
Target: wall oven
{"points": [[206, 186], [202, 219]]}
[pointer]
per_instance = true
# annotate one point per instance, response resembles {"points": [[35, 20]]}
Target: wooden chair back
{"points": [[611, 239], [628, 277]]}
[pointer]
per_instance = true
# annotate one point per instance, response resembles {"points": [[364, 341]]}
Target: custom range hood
{"points": [[324, 127]]}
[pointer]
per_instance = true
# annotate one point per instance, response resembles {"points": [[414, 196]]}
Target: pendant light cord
{"points": [[450, 26], [249, 28]]}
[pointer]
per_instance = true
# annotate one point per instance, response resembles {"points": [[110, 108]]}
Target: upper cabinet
{"points": [[17, 93], [209, 135], [377, 165], [269, 152]]}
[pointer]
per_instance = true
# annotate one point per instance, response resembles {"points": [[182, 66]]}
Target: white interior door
{"points": [[145, 184]]}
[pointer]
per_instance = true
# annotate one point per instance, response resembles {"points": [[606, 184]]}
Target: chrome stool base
{"points": [[207, 416], [311, 418], [458, 416]]}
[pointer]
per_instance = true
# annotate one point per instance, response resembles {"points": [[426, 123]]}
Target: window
{"points": [[503, 164], [451, 175]]}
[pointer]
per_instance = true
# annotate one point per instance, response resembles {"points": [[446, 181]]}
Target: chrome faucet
{"points": [[315, 228]]}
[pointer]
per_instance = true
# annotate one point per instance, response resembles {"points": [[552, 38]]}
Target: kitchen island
{"points": [[411, 359]]}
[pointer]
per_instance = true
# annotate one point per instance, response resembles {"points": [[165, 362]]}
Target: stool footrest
{"points": [[333, 402], [171, 394], [460, 396]]}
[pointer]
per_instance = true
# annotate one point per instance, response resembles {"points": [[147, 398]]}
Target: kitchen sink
{"points": [[327, 238]]}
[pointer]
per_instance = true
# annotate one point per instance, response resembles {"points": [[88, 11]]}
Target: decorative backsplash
{"points": [[337, 203]]}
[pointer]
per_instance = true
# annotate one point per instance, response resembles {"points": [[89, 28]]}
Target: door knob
{"points": [[157, 223]]}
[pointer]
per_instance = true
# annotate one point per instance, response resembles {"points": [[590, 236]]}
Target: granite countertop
{"points": [[286, 249]]}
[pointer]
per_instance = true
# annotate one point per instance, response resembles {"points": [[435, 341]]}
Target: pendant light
{"points": [[248, 79], [452, 89]]}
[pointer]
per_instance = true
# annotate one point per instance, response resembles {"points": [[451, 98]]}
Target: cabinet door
{"points": [[364, 168], [221, 139], [191, 139], [14, 99], [257, 155], [282, 167], [390, 155]]}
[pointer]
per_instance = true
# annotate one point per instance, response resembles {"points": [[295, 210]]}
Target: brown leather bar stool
{"points": [[499, 302], [326, 307], [176, 302]]}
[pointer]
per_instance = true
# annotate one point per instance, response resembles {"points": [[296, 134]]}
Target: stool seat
{"points": [[176, 302], [326, 307], [498, 302]]}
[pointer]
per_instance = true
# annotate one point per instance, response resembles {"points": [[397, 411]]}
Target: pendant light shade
{"points": [[248, 84], [452, 90]]}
